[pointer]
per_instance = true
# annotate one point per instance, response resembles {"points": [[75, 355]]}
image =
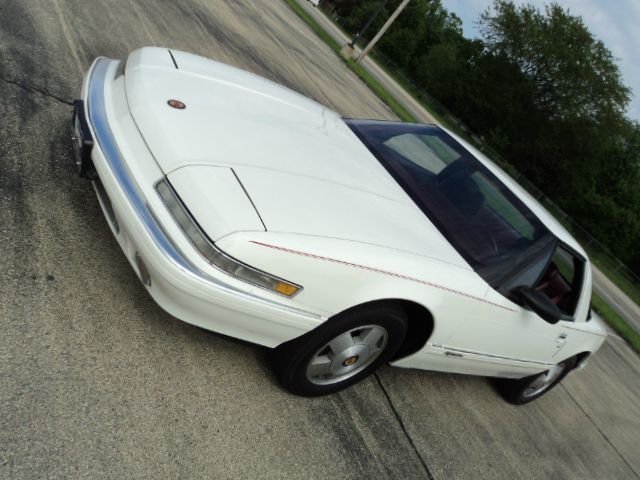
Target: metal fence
{"points": [[600, 255]]}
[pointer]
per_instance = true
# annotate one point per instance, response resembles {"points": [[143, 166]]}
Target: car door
{"points": [[519, 338]]}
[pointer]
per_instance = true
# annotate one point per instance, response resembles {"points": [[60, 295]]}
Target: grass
{"points": [[380, 91], [371, 82], [418, 97], [616, 322], [620, 325], [626, 285]]}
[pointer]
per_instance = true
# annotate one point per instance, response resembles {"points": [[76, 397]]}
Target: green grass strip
{"points": [[616, 322], [623, 283], [371, 82]]}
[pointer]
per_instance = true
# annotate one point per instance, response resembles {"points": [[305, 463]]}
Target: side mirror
{"points": [[541, 304]]}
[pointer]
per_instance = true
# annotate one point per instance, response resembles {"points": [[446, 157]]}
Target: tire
{"points": [[342, 351], [528, 389]]}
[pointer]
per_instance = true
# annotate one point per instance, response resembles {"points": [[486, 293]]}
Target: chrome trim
{"points": [[449, 353], [97, 120], [488, 355]]}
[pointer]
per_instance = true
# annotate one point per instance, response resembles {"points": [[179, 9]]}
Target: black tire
{"points": [[523, 390], [293, 360], [82, 168]]}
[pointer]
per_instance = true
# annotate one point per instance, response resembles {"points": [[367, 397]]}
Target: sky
{"points": [[615, 22]]}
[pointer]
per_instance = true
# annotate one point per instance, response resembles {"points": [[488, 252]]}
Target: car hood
{"points": [[301, 166]]}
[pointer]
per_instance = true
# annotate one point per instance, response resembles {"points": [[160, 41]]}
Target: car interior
{"points": [[562, 280]]}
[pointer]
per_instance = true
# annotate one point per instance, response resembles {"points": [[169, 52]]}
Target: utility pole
{"points": [[362, 31], [347, 50], [384, 28]]}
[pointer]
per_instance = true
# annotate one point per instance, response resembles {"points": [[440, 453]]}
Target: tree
{"points": [[577, 144], [423, 24], [574, 75]]}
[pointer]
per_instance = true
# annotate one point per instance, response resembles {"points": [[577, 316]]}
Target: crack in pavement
{"points": [[404, 428], [36, 90], [600, 431]]}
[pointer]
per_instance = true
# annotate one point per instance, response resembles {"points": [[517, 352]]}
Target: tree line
{"points": [[540, 89]]}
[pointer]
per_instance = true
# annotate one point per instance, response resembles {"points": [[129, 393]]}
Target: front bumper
{"points": [[206, 299]]}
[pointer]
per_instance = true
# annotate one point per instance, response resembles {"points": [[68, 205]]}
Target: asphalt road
{"points": [[97, 382]]}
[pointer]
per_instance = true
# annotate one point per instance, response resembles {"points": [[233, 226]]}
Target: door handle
{"points": [[562, 339]]}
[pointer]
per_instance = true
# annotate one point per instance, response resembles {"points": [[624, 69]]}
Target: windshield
{"points": [[488, 225]]}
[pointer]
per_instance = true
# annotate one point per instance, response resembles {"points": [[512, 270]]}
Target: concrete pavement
{"points": [[98, 382]]}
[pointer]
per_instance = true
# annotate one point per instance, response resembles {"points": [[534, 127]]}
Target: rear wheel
{"points": [[343, 351], [527, 389]]}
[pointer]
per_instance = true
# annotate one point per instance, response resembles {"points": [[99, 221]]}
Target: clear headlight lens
{"points": [[215, 256]]}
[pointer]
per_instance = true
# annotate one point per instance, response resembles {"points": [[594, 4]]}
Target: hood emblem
{"points": [[176, 104]]}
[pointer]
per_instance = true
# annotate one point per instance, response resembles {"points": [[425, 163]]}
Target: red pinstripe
{"points": [[384, 272]]}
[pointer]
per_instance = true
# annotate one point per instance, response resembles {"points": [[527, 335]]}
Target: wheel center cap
{"points": [[351, 360]]}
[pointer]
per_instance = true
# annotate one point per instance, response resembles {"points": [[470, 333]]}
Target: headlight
{"points": [[212, 254]]}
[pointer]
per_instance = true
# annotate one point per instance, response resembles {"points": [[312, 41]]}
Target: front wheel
{"points": [[343, 351], [527, 389]]}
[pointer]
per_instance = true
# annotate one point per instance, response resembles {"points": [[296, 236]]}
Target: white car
{"points": [[252, 211]]}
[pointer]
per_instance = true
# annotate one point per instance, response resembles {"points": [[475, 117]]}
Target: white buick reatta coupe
{"points": [[250, 210]]}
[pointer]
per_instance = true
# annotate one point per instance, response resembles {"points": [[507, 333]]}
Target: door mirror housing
{"points": [[541, 304]]}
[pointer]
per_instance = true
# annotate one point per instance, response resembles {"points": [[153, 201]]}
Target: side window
{"points": [[562, 281]]}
